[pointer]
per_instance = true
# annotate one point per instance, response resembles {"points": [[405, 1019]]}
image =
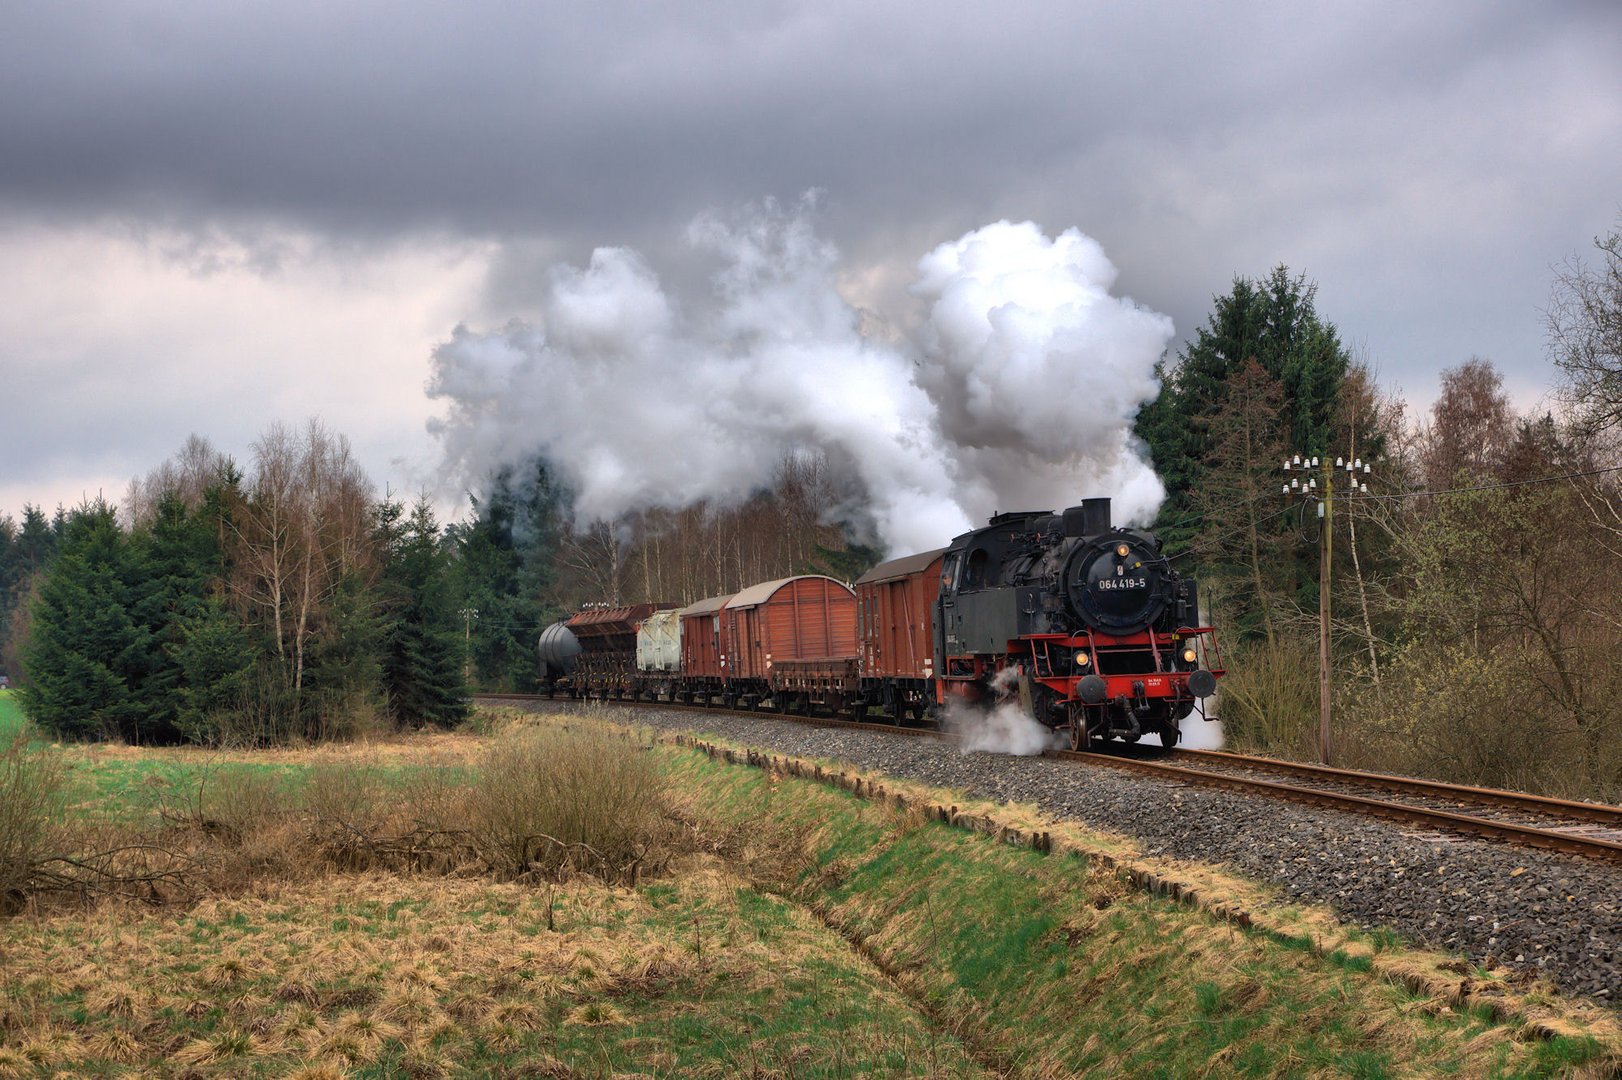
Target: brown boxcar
{"points": [[701, 640], [798, 618], [895, 602]]}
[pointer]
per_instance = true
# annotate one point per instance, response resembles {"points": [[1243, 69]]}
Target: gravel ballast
{"points": [[1553, 915]]}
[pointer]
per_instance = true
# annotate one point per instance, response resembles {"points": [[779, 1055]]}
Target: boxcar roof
{"points": [[900, 568], [755, 595], [704, 607]]}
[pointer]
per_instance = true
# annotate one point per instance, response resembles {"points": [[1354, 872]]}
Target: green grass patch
{"points": [[12, 721]]}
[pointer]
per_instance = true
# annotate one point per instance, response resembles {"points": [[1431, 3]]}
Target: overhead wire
{"points": [[1489, 487]]}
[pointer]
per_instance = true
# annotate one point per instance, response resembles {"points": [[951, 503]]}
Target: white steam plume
{"points": [[1020, 394], [997, 727]]}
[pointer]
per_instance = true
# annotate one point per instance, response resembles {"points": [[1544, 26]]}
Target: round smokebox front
{"points": [[1113, 586]]}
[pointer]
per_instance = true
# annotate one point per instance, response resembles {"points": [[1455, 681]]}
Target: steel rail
{"points": [[1601, 813], [1530, 835], [1469, 825]]}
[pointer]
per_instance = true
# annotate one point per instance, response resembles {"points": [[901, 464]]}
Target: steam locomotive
{"points": [[1086, 626]]}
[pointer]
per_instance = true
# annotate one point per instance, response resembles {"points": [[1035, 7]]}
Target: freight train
{"points": [[1086, 626]]}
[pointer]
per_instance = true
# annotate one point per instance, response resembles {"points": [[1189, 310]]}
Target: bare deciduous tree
{"points": [[1584, 320], [304, 527], [1471, 425]]}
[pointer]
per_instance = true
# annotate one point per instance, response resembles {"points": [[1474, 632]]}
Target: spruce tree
{"points": [[505, 569], [423, 649], [86, 645], [1274, 321]]}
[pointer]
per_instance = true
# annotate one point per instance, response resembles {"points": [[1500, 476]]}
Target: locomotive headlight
{"points": [[1083, 660], [1123, 550], [1189, 655]]}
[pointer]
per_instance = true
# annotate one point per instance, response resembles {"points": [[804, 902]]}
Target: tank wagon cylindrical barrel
{"points": [[558, 652]]}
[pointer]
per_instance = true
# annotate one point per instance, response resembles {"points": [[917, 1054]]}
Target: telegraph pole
{"points": [[468, 615], [1326, 511], [1325, 499]]}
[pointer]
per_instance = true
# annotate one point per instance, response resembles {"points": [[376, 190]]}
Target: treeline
{"points": [[1476, 591], [287, 600], [230, 606]]}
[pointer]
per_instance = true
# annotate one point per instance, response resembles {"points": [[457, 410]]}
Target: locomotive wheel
{"points": [[1170, 735], [1079, 738]]}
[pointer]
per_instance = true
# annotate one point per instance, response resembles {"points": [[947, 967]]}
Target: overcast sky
{"points": [[217, 216]]}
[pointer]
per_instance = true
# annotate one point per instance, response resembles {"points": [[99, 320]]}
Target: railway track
{"points": [[1592, 830]]}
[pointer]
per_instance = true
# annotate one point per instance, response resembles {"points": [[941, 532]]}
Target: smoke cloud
{"points": [[999, 727], [1018, 392]]}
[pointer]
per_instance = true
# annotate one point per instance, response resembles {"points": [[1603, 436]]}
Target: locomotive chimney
{"points": [[1088, 519]]}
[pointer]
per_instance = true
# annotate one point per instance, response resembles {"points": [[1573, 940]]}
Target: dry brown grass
{"points": [[404, 974], [554, 799], [32, 795], [538, 801]]}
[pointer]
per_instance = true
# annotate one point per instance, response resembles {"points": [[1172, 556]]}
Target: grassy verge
{"points": [[790, 929], [377, 976], [1051, 966]]}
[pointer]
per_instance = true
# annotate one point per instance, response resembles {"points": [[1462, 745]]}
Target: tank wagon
{"points": [[1084, 623]]}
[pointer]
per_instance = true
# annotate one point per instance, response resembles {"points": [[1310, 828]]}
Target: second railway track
{"points": [[1592, 830]]}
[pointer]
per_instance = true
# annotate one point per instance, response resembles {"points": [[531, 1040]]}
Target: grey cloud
{"points": [[1426, 163]]}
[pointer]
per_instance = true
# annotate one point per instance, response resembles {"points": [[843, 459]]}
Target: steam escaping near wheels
{"points": [[999, 729], [1001, 726]]}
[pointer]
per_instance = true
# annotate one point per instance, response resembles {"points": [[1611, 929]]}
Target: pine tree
{"points": [[169, 577], [505, 570], [1275, 322], [216, 659], [423, 648], [85, 643]]}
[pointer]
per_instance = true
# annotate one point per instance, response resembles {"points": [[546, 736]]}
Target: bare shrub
{"points": [[32, 796], [552, 799], [349, 812], [231, 804], [1269, 698], [1452, 713]]}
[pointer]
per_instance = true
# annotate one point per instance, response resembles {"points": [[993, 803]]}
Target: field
{"points": [[770, 926]]}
